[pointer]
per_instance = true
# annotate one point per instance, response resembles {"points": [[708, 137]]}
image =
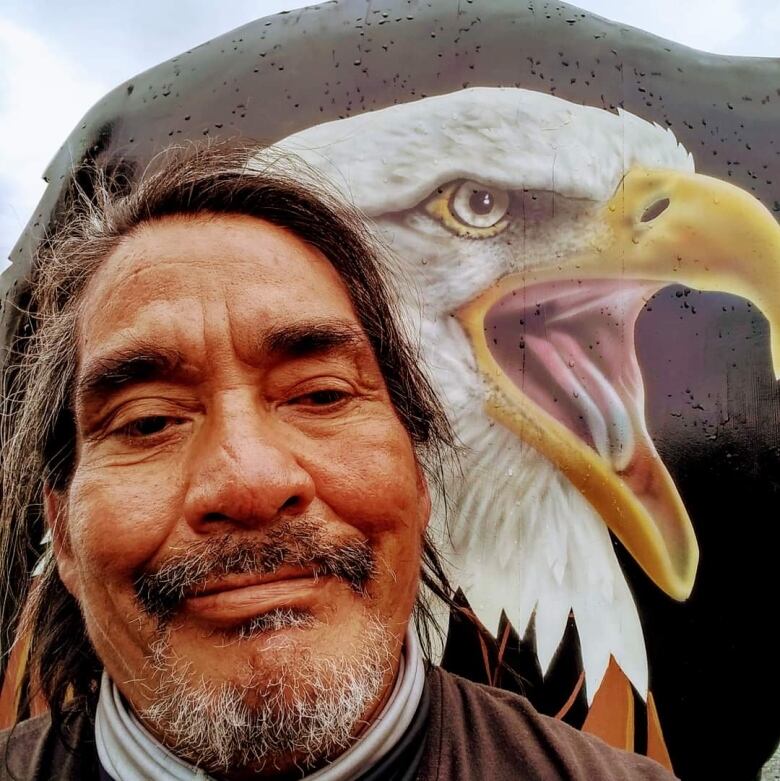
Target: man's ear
{"points": [[55, 509]]}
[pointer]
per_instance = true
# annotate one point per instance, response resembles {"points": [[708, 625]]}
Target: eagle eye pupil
{"points": [[482, 202]]}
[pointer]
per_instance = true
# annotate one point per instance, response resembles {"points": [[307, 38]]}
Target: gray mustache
{"points": [[292, 543]]}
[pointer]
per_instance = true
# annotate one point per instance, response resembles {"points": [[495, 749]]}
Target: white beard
{"points": [[308, 708]]}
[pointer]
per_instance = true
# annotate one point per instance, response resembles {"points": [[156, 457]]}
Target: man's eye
{"points": [[321, 398], [146, 427]]}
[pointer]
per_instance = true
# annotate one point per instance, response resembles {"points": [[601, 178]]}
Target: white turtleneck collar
{"points": [[128, 752]]}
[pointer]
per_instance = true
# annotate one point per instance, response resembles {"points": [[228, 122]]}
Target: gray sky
{"points": [[58, 58]]}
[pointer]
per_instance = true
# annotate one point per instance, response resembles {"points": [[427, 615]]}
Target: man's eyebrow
{"points": [[127, 366], [301, 340], [145, 362]]}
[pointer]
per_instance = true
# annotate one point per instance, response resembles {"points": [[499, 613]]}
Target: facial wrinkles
{"points": [[190, 314], [218, 335], [103, 627]]}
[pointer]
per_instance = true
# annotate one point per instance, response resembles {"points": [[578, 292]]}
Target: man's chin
{"points": [[279, 694], [273, 623], [264, 646]]}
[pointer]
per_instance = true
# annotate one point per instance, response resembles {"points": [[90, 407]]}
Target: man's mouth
{"points": [[235, 600], [227, 583], [239, 576]]}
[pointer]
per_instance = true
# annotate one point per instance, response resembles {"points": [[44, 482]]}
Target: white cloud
{"points": [[771, 21], [42, 97], [767, 31]]}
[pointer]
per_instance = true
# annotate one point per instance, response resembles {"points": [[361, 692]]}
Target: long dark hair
{"points": [[37, 430]]}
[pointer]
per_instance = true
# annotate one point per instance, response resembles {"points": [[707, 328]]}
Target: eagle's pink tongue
{"points": [[569, 346]]}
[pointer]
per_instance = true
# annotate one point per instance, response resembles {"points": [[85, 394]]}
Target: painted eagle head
{"points": [[531, 232]]}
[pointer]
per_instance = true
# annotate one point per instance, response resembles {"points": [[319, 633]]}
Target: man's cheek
{"points": [[376, 469], [118, 526]]}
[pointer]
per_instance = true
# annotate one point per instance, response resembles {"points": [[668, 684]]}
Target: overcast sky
{"points": [[58, 58]]}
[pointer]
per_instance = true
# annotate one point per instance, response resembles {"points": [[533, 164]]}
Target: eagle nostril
{"points": [[651, 212]]}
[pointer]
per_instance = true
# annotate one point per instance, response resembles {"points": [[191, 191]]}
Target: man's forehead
{"points": [[167, 279], [227, 247]]}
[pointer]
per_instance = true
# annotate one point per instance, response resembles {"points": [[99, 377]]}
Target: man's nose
{"points": [[244, 473]]}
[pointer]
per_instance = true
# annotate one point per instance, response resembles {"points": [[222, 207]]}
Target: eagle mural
{"points": [[574, 211], [531, 232]]}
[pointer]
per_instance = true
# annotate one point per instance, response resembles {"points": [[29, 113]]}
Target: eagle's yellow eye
{"points": [[470, 209]]}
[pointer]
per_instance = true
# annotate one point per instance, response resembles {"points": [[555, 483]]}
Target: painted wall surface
{"points": [[585, 218]]}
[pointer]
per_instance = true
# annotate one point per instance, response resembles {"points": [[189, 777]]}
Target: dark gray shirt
{"points": [[473, 733]]}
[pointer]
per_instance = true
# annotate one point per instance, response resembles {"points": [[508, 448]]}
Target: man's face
{"points": [[245, 503]]}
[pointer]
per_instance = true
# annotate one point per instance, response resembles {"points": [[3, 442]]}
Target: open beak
{"points": [[659, 228]]}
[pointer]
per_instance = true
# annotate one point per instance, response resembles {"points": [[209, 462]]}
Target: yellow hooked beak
{"points": [[667, 227], [712, 236]]}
